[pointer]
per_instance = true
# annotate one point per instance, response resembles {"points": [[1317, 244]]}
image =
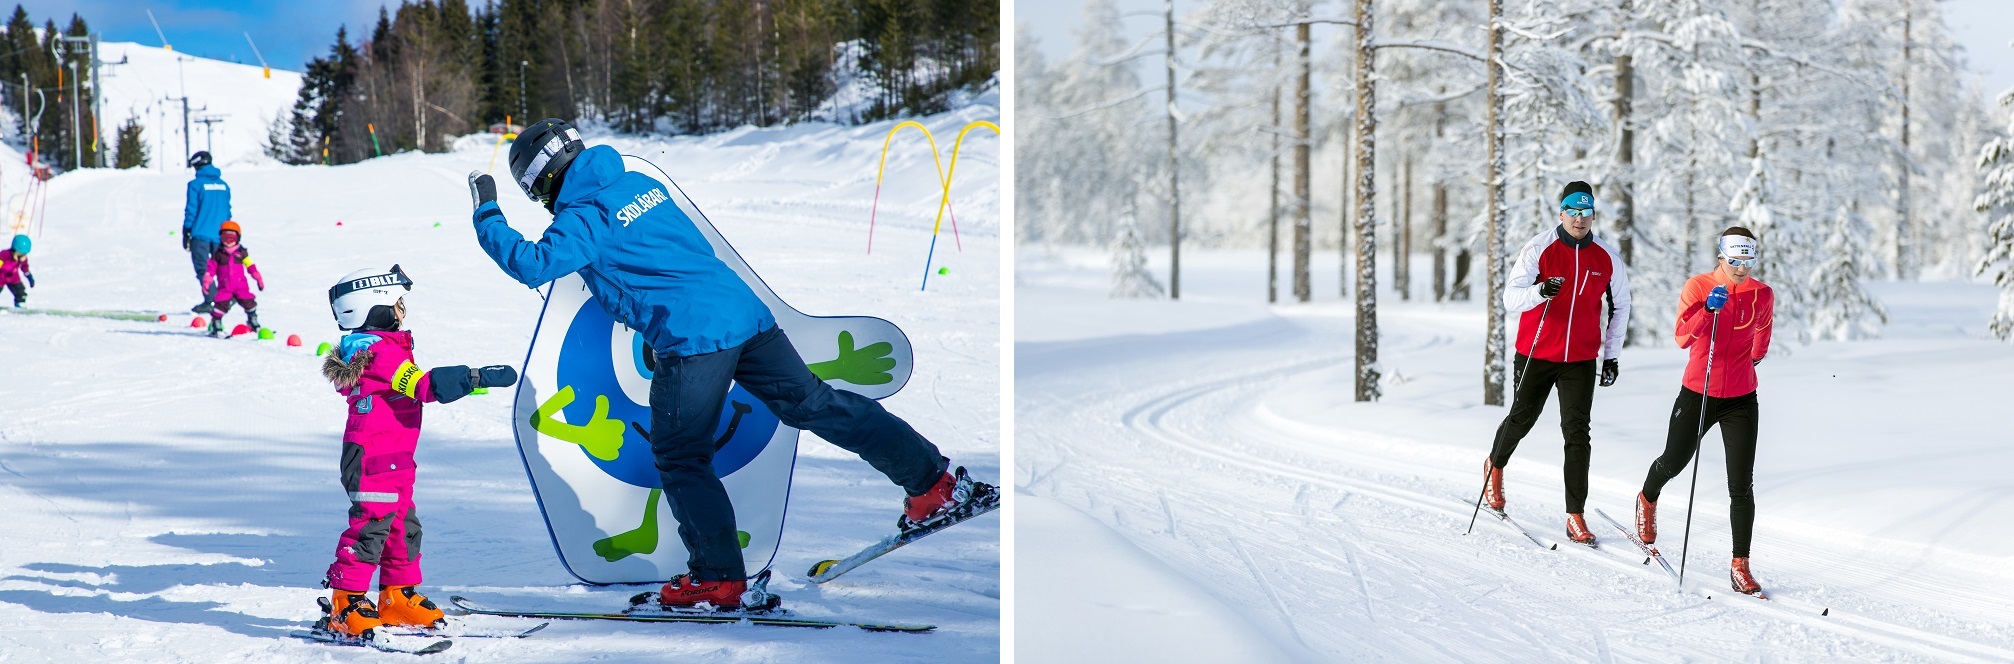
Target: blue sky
{"points": [[289, 32]]}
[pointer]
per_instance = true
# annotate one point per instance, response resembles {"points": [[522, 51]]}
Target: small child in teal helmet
{"points": [[14, 269]]}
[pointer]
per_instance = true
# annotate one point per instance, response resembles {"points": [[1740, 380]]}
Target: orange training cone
{"points": [[196, 322], [294, 340], [240, 329]]}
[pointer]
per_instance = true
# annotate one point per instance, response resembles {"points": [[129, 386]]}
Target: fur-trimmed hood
{"points": [[345, 373], [345, 364]]}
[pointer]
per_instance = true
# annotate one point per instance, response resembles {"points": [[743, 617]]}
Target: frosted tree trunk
{"points": [[1303, 222], [1493, 340], [1174, 170], [1273, 226], [1402, 242], [1625, 155], [1440, 215], [1367, 255], [1902, 227]]}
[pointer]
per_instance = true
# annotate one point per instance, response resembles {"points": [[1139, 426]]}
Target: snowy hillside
{"points": [[151, 81], [1210, 449], [171, 497]]}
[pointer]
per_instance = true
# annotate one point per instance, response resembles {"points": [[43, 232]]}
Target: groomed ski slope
{"points": [[173, 498], [1212, 449]]}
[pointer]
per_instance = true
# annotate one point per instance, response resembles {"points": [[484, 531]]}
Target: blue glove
{"points": [[31, 279], [1716, 299], [496, 375]]}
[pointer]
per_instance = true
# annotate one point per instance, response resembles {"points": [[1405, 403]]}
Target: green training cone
{"points": [[322, 349], [265, 334], [944, 270]]}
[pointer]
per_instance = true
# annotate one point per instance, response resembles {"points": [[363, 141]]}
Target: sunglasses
{"points": [[1740, 262], [1578, 212]]}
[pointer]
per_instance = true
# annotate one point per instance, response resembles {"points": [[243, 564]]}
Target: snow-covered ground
{"points": [[169, 497], [1208, 455]]}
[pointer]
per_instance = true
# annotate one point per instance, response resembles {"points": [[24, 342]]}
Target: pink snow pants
{"points": [[384, 531]]}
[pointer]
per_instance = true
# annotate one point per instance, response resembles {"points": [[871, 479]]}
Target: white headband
{"points": [[1738, 247]]}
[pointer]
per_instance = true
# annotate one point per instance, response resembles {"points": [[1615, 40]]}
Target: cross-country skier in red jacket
{"points": [[1739, 338], [1557, 281]]}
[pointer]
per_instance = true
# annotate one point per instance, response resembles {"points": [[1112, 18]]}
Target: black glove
{"points": [[1610, 368], [482, 189], [185, 239], [495, 375], [1550, 287], [452, 382]]}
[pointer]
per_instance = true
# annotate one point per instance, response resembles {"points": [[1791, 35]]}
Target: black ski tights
{"points": [[1737, 417]]}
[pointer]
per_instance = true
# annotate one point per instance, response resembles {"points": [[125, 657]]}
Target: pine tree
{"points": [[131, 150], [1996, 199]]}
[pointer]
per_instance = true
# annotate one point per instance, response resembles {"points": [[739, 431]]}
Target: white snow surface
{"points": [[174, 498], [1216, 440]]}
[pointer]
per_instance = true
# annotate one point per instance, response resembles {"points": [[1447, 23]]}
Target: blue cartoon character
{"points": [[661, 363]]}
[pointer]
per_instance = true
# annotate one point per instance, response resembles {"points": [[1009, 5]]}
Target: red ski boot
{"points": [[1576, 530], [954, 495], [1646, 520], [685, 593], [1743, 581], [1493, 485]]}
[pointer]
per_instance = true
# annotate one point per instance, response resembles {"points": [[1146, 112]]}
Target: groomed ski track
{"points": [[1339, 535]]}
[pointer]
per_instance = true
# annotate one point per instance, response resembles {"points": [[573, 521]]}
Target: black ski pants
{"points": [[686, 395], [199, 258], [1737, 417], [1575, 381]]}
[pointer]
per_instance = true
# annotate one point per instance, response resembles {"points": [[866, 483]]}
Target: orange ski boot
{"points": [[1646, 520], [403, 606], [1576, 530], [349, 614], [1493, 485], [1742, 580]]}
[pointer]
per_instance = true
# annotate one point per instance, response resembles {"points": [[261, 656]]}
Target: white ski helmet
{"points": [[355, 299]]}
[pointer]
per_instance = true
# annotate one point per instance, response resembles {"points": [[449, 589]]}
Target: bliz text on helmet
{"points": [[643, 203], [374, 282]]}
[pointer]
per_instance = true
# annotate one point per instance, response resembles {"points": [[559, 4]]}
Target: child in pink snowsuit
{"points": [[373, 368], [225, 279], [14, 268]]}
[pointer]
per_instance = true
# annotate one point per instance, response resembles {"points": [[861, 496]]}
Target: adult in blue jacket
{"points": [[652, 270], [208, 207]]}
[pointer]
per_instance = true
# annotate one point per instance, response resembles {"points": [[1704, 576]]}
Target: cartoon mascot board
{"points": [[583, 410]]}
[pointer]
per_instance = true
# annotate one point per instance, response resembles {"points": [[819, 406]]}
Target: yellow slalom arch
{"points": [[883, 171], [944, 204]]}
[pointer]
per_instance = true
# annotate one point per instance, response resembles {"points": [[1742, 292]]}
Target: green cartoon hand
{"points": [[863, 366], [602, 437]]}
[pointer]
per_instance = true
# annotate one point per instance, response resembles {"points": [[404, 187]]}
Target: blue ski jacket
{"points": [[641, 256], [209, 204]]}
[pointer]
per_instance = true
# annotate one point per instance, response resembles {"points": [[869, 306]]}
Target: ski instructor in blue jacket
{"points": [[208, 207], [654, 272]]}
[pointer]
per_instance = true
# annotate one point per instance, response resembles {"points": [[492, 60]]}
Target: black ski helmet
{"points": [[540, 154], [200, 159]]}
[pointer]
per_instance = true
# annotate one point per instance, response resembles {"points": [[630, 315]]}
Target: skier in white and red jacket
{"points": [[1557, 281]]}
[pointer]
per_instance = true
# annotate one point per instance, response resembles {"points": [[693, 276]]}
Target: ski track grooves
{"points": [[1210, 426]]}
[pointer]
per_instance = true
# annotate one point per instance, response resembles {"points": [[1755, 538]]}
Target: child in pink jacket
{"points": [[373, 368], [225, 279], [14, 269]]}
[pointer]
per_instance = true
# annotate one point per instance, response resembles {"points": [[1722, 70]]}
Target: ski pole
{"points": [[1685, 544], [1533, 348]]}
